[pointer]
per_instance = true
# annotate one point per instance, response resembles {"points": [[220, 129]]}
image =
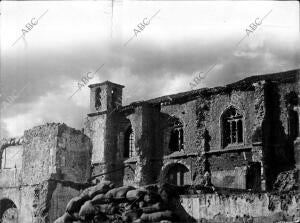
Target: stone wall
{"points": [[56, 165], [22, 199], [95, 128], [244, 207], [267, 141]]}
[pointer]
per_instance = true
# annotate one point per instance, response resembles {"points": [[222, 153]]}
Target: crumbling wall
{"points": [[22, 197], [244, 207], [52, 153], [10, 177], [145, 141], [73, 155], [129, 173], [278, 146], [95, 127], [234, 178], [50, 197], [61, 195], [229, 169], [55, 149], [202, 132], [40, 145], [240, 99], [185, 112]]}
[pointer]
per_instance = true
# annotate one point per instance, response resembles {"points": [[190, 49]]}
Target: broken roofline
{"points": [[244, 84]]}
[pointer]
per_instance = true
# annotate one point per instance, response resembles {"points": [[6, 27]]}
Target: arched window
{"points": [[232, 127], [175, 174], [176, 137], [98, 99], [129, 149]]}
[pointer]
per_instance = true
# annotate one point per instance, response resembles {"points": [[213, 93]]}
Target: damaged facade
{"points": [[242, 135], [41, 171]]}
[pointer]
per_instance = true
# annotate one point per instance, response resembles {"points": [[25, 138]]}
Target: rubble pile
{"points": [[106, 203], [286, 181]]}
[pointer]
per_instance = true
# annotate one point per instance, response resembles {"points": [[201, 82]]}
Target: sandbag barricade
{"points": [[105, 203]]}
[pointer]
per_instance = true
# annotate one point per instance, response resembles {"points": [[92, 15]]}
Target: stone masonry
{"points": [[53, 166], [243, 136], [245, 131]]}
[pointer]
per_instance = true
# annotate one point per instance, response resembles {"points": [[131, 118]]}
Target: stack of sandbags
{"points": [[286, 181], [105, 203]]}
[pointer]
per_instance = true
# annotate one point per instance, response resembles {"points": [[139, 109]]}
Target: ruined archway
{"points": [[175, 173], [8, 211]]}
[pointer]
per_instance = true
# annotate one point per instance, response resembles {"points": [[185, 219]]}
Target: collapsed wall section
{"points": [[55, 167]]}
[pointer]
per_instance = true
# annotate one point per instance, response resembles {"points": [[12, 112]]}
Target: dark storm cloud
{"points": [[47, 70], [145, 68]]}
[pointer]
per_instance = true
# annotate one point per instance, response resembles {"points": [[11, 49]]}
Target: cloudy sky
{"points": [[41, 69]]}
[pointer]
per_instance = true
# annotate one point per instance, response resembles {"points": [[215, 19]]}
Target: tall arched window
{"points": [[232, 127], [129, 149], [176, 137]]}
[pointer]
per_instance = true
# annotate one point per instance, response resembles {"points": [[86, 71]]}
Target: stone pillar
{"points": [[258, 153], [145, 144]]}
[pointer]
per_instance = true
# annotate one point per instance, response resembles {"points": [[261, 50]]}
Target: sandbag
{"points": [[100, 188], [110, 193], [87, 210], [101, 199], [65, 218], [131, 215], [157, 207], [152, 197], [75, 215], [157, 216], [142, 204], [151, 187], [137, 194], [100, 217], [75, 204], [86, 191], [122, 191], [118, 193], [108, 209], [169, 191]]}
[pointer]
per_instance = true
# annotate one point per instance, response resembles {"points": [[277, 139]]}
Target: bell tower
{"points": [[105, 96], [100, 126]]}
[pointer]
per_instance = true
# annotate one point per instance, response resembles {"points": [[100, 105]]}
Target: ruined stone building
{"points": [[41, 171], [242, 135]]}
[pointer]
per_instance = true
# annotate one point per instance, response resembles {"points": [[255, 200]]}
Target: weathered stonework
{"points": [[240, 136], [265, 150], [55, 166], [239, 208]]}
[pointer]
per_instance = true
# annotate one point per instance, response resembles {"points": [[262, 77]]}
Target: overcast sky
{"points": [[42, 69]]}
